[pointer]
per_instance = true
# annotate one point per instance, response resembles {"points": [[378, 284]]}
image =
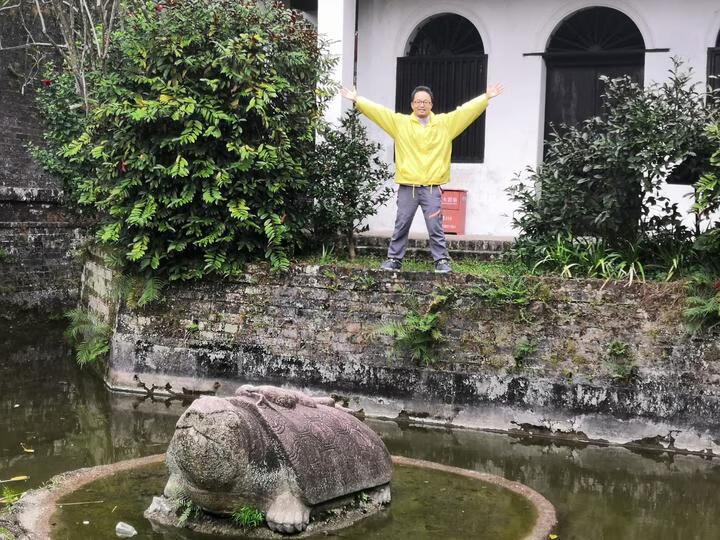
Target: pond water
{"points": [[426, 505], [67, 418]]}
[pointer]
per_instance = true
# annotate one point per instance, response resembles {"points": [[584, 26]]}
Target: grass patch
{"points": [[248, 517], [5, 534], [489, 269]]}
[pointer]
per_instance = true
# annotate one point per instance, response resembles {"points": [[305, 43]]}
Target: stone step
{"points": [[460, 247]]}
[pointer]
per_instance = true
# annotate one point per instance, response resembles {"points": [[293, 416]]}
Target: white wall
{"points": [[514, 121]]}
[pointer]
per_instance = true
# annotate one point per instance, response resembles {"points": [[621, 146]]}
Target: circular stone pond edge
{"points": [[31, 517], [546, 518]]}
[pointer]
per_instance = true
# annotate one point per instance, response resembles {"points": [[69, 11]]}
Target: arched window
{"points": [[446, 53], [713, 65], [589, 43]]}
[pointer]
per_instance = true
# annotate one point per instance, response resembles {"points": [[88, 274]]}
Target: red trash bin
{"points": [[453, 204]]}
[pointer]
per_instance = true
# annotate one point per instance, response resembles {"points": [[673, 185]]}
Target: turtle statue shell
{"points": [[277, 450]]}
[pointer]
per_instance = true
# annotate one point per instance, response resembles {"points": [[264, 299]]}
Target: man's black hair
{"points": [[422, 89]]}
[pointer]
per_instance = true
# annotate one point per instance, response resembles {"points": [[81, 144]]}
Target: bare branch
{"points": [[83, 3], [31, 45], [10, 7], [42, 19]]}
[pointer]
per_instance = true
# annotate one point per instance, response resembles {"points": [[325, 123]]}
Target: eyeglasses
{"points": [[423, 102]]}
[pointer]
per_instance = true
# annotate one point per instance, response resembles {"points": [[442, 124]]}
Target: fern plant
{"points": [[620, 361], [137, 291], [703, 301], [186, 510], [420, 334], [89, 336]]}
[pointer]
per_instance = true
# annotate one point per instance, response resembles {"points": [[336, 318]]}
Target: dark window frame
{"points": [[453, 75], [572, 61]]}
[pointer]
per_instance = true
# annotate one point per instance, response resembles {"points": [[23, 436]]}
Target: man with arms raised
{"points": [[423, 146]]}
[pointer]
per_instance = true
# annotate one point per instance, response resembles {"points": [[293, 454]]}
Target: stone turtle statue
{"points": [[277, 450]]}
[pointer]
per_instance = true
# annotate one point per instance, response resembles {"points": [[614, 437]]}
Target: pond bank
{"points": [[550, 357]]}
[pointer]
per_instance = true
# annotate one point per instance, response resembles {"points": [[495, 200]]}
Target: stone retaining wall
{"points": [[37, 234], [39, 248], [544, 368]]}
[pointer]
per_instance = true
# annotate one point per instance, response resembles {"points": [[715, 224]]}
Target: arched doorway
{"points": [[713, 65], [447, 54], [589, 43]]}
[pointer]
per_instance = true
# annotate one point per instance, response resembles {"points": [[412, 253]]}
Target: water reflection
{"points": [[599, 493], [64, 413], [70, 421]]}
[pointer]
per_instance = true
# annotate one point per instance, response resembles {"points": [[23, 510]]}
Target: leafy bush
{"points": [[602, 179], [349, 180], [64, 117], [198, 146]]}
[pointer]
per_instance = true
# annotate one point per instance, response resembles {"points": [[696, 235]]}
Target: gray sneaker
{"points": [[442, 266], [392, 265]]}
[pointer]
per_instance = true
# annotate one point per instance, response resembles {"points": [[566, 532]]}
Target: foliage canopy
{"points": [[202, 129]]}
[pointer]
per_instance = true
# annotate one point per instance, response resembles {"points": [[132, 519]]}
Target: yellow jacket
{"points": [[422, 153]]}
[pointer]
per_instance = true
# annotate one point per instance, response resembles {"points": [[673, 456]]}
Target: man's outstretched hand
{"points": [[494, 91], [349, 94]]}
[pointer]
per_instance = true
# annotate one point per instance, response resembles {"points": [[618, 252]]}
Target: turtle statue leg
{"points": [[287, 514]]}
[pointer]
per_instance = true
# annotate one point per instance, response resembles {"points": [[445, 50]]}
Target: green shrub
{"points": [[198, 146], [64, 118], [601, 180], [348, 181]]}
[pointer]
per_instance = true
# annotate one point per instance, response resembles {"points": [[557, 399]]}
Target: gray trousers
{"points": [[408, 199]]}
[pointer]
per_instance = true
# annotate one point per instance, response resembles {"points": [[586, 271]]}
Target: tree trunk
{"points": [[351, 244]]}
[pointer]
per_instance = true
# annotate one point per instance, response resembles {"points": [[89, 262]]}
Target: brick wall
{"points": [[37, 234]]}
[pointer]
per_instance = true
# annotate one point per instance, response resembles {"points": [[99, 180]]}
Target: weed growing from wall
{"points": [[524, 349], [420, 334], [703, 302], [89, 336], [620, 361], [506, 290]]}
